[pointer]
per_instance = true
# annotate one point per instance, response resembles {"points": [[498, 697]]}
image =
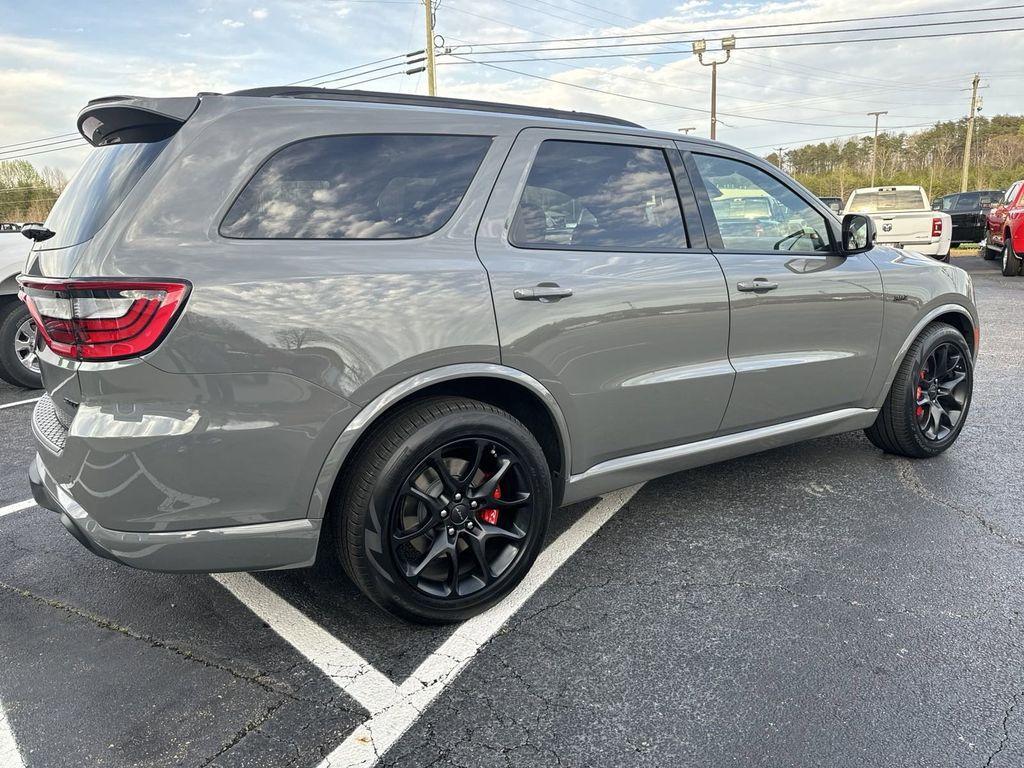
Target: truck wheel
{"points": [[927, 405], [444, 509], [18, 362], [1011, 261], [988, 251]]}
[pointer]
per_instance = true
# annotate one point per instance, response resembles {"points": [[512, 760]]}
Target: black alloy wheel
{"points": [[444, 509], [927, 404], [942, 392], [460, 519]]}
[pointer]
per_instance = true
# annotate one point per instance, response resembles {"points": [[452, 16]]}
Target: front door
{"points": [[605, 294], [806, 321]]}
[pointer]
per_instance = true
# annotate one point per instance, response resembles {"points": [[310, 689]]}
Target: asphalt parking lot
{"points": [[817, 605]]}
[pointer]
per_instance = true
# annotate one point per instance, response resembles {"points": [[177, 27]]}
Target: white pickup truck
{"points": [[904, 217]]}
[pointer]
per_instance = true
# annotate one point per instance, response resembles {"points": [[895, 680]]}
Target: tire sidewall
{"points": [[942, 335], [12, 315], [387, 583]]}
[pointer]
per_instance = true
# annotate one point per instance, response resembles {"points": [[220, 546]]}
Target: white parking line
{"points": [[10, 757], [12, 508], [350, 671], [395, 708], [388, 721], [20, 402]]}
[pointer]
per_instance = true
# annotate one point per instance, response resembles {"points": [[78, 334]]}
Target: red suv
{"points": [[1006, 230]]}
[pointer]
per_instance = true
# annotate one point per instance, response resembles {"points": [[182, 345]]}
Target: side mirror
{"points": [[858, 233]]}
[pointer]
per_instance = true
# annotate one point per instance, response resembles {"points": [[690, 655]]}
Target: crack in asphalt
{"points": [[1005, 739], [906, 473], [267, 684], [251, 727]]}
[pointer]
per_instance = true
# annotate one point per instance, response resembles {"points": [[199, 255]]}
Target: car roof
{"points": [[415, 100]]}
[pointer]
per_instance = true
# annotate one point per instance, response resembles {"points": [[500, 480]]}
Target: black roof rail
{"points": [[382, 97]]}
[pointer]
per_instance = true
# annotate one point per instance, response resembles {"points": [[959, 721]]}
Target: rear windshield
{"points": [[366, 187], [101, 184], [888, 200]]}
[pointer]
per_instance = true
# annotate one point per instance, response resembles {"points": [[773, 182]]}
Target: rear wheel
{"points": [[927, 405], [1011, 261], [989, 251], [18, 362], [444, 510]]}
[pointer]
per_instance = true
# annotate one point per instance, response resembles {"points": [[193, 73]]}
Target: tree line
{"points": [[27, 194], [932, 158]]}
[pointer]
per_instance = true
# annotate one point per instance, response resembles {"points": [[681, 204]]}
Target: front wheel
{"points": [[1011, 261], [927, 405], [444, 510]]}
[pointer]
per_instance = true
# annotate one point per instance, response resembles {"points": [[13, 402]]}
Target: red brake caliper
{"points": [[490, 516], [919, 411]]}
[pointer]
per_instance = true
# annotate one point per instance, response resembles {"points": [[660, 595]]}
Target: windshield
{"points": [[101, 184], [888, 200]]}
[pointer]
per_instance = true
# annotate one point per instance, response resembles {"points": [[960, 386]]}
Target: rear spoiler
{"points": [[133, 119]]}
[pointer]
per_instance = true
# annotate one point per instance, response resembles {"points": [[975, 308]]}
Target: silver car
{"points": [[402, 330]]}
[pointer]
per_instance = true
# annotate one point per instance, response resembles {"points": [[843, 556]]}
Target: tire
{"points": [[373, 509], [1011, 261], [944, 259], [18, 363], [898, 428]]}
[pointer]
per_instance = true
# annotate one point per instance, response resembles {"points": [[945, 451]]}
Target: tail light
{"points": [[101, 319], [936, 227]]}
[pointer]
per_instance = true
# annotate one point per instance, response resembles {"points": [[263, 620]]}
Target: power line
{"points": [[40, 146], [765, 46], [764, 26], [46, 151], [33, 141], [349, 69], [647, 101]]}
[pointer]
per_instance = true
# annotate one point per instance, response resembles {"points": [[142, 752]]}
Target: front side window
{"points": [[591, 196], [367, 187], [756, 212], [968, 201]]}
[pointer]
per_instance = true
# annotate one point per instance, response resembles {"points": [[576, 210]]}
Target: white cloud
{"points": [[232, 23], [185, 34], [259, 13]]}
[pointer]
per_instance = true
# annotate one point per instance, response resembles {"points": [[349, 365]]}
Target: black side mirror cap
{"points": [[37, 232], [859, 234]]}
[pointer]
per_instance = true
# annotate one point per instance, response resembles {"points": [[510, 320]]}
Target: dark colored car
{"points": [[969, 211]]}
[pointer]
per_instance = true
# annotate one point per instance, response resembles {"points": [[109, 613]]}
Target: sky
{"points": [[55, 56]]}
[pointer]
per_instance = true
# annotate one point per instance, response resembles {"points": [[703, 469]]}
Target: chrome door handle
{"points": [[542, 292], [757, 285]]}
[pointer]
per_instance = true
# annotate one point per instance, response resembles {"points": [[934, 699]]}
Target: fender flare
{"points": [[943, 309], [372, 411]]}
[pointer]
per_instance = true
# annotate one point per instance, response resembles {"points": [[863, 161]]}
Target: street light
{"points": [[686, 130], [700, 47]]}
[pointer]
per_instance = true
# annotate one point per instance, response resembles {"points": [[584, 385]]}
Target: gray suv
{"points": [[401, 330]]}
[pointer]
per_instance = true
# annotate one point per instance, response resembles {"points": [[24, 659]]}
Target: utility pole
{"points": [[778, 155], [686, 131], [431, 78], [700, 47], [874, 146], [970, 134]]}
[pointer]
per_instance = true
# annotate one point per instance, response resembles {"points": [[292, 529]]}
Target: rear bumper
{"points": [[258, 547]]}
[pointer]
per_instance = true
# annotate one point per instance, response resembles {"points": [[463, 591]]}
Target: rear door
{"points": [[605, 293], [806, 321]]}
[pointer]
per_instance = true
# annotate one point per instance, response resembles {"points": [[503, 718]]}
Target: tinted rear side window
{"points": [[367, 187], [590, 196], [101, 184]]}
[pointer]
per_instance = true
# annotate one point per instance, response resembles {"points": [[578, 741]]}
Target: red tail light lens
{"points": [[936, 227], [103, 319]]}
